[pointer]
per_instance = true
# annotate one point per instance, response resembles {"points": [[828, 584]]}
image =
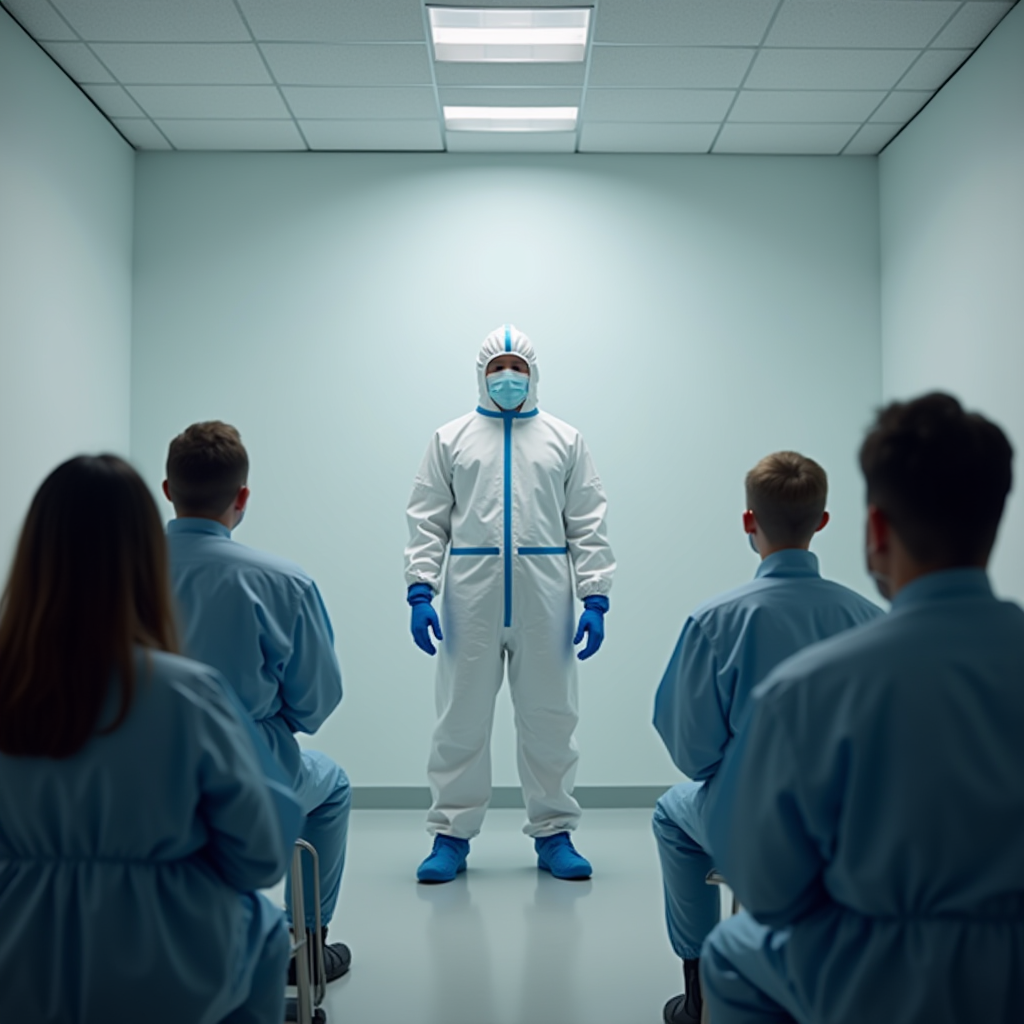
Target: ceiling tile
{"points": [[335, 21], [820, 139], [113, 101], [643, 105], [876, 24], [78, 61], [405, 103], [933, 68], [829, 69], [511, 142], [510, 75], [39, 19], [154, 21], [671, 67], [871, 139], [972, 23], [214, 134], [141, 133], [361, 64], [611, 137], [410, 136], [900, 107], [215, 101], [184, 63], [793, 107], [510, 97], [693, 23]]}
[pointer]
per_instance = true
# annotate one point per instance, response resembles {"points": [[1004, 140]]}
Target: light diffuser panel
{"points": [[509, 35], [510, 119]]}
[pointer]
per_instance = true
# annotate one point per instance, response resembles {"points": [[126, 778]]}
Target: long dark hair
{"points": [[89, 582]]}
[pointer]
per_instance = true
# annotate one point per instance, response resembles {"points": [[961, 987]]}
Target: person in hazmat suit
{"points": [[511, 496], [869, 814]]}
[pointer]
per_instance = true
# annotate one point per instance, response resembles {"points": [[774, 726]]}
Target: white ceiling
{"points": [[662, 76]]}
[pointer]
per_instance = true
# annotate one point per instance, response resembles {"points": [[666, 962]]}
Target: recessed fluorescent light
{"points": [[510, 119], [506, 34]]}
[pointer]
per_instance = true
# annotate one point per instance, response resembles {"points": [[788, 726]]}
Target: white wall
{"points": [[952, 216], [690, 315], [66, 195]]}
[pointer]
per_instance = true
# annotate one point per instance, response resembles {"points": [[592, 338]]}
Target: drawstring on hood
{"points": [[502, 340]]}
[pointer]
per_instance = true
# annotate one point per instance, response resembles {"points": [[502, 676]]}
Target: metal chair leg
{"points": [[310, 979]]}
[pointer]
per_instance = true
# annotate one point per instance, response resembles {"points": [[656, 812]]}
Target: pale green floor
{"points": [[504, 943]]}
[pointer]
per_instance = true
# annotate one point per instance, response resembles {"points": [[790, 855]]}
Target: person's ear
{"points": [[167, 492], [824, 522], [878, 531], [749, 522], [242, 498]]}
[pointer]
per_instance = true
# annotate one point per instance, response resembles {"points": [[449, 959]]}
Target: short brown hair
{"points": [[206, 465], [941, 476], [89, 582], [787, 492]]}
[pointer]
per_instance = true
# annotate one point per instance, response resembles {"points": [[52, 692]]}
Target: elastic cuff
{"points": [[597, 603], [420, 593]]}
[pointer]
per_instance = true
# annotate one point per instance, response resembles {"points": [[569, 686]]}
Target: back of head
{"points": [[88, 582], [787, 492], [941, 476], [206, 466]]}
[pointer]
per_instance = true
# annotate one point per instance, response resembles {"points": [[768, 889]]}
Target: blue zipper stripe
{"points": [[543, 551], [502, 415], [508, 338], [474, 551], [508, 521]]}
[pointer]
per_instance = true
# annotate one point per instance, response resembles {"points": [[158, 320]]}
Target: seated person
{"points": [[727, 646], [870, 812], [136, 823], [261, 622]]}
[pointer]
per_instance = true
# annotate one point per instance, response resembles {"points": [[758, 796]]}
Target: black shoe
{"points": [[687, 1008], [337, 959]]}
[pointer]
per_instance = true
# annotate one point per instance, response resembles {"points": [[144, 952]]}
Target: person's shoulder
{"points": [[736, 599], [850, 599], [553, 423], [851, 653], [454, 427], [177, 677], [274, 566]]}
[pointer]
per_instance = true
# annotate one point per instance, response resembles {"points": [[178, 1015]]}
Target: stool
{"points": [[310, 983], [715, 877]]}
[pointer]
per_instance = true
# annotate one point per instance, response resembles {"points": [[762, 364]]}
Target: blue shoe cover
{"points": [[446, 860], [557, 855]]}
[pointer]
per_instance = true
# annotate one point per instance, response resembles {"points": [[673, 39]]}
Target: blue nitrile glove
{"points": [[424, 618], [592, 623]]}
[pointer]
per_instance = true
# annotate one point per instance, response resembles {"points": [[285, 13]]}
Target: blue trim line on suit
{"points": [[543, 551], [508, 338], [508, 520], [474, 551], [506, 415]]}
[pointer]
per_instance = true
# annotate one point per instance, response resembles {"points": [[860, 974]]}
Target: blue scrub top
{"points": [[873, 802], [729, 644], [260, 621], [128, 870]]}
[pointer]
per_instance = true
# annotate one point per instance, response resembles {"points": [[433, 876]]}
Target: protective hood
{"points": [[501, 340]]}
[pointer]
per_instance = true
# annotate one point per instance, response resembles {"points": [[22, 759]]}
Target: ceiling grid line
{"points": [[746, 75], [923, 50], [432, 61], [592, 29], [836, 77], [273, 77]]}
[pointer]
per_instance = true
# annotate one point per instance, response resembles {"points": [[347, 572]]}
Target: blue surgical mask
{"points": [[508, 388]]}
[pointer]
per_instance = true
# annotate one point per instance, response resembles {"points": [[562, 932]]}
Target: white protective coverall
{"points": [[514, 499]]}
